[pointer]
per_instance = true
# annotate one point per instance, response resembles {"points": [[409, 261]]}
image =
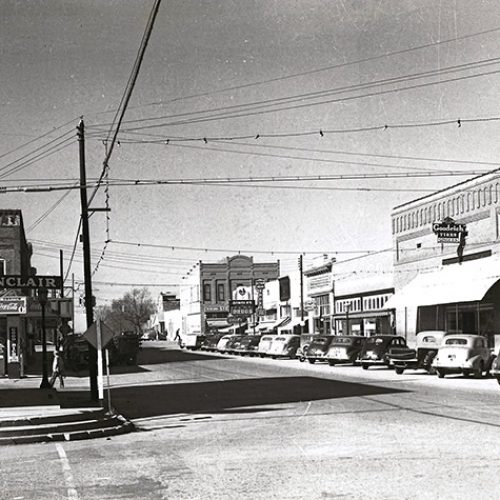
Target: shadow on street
{"points": [[155, 400], [28, 397], [154, 355]]}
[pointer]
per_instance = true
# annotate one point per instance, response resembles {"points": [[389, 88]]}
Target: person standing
{"points": [[57, 369]]}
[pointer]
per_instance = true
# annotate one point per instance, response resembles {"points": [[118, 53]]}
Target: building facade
{"points": [[207, 291], [449, 285]]}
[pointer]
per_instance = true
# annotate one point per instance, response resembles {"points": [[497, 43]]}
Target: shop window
{"points": [[207, 292]]}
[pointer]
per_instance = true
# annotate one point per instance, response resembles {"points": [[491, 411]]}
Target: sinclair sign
{"points": [[17, 281]]}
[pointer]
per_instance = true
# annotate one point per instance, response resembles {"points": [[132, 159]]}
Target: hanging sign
{"points": [[448, 231]]}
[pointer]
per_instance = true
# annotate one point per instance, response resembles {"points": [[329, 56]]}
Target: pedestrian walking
{"points": [[57, 369], [178, 338]]}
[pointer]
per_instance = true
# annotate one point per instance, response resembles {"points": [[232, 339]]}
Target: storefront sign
{"points": [[12, 305], [16, 281], [241, 308], [448, 231], [13, 341], [216, 308]]}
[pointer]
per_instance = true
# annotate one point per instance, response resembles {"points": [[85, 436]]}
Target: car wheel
{"points": [[331, 362], [432, 371], [365, 366], [498, 380], [478, 372], [466, 373], [399, 370], [440, 373], [312, 361]]}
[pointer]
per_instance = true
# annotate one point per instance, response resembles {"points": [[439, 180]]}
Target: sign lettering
{"points": [[17, 281]]}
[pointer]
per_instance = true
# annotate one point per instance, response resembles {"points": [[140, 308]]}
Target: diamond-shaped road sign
{"points": [[106, 335]]}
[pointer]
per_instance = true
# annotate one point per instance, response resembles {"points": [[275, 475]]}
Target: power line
{"points": [[322, 69], [248, 107]]}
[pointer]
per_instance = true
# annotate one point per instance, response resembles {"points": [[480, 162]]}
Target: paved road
{"points": [[215, 427]]}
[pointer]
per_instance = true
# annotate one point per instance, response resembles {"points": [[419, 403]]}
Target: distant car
{"points": [[317, 349], [233, 343], [464, 353], [265, 344], [284, 346], [426, 348], [249, 345], [378, 349], [495, 367], [221, 344], [210, 342], [344, 349], [149, 335]]}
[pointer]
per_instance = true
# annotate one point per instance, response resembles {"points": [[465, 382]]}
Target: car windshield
{"points": [[342, 341], [279, 339], [456, 342]]}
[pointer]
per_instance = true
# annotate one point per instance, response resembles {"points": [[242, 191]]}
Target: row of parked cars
{"points": [[436, 352]]}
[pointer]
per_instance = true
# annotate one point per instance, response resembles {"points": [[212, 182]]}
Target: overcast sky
{"points": [[62, 59]]}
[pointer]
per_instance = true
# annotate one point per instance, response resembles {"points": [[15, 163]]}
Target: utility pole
{"points": [[85, 239], [301, 271]]}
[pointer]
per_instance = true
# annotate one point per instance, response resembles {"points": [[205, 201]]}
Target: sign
{"points": [[241, 308], [309, 305], [106, 335], [216, 308], [260, 284], [17, 281], [242, 292], [13, 340], [448, 231], [232, 320], [261, 311], [12, 305]]}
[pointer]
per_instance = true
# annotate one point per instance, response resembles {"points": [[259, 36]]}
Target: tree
{"points": [[132, 311]]}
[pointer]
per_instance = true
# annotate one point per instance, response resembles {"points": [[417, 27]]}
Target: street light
{"points": [[42, 299]]}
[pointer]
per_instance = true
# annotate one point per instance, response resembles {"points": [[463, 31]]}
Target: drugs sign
{"points": [[241, 308]]}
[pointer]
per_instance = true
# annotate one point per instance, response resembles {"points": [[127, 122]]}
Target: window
{"points": [[2, 267], [221, 295], [207, 292]]}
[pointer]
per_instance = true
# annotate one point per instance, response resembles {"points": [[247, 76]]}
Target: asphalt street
{"points": [[223, 427]]}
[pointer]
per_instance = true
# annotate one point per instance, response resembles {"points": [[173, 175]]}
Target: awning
{"points": [[217, 323], [289, 325], [467, 282], [234, 328], [271, 325]]}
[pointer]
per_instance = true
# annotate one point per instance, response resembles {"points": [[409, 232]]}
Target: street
{"points": [[222, 427]]}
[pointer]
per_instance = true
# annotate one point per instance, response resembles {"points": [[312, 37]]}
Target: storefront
{"points": [[459, 298]]}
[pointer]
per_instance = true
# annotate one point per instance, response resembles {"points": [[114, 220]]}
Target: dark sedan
{"points": [[345, 349], [377, 350], [318, 348]]}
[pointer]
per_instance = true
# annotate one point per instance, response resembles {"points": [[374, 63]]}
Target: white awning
{"points": [[465, 282], [271, 325], [290, 325]]}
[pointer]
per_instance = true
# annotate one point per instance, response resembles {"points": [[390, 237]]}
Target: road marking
{"points": [[68, 476]]}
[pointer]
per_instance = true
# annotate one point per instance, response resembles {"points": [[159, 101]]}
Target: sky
{"points": [[331, 81]]}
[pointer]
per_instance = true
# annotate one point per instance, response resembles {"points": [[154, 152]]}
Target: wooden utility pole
{"points": [[85, 238]]}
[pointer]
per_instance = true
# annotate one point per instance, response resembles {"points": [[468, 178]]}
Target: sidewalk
{"points": [[31, 414]]}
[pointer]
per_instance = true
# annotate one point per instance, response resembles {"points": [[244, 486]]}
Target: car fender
{"points": [[491, 360], [475, 360]]}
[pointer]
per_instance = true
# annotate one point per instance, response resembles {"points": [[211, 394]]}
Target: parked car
{"points": [[378, 349], [464, 353], [265, 344], [233, 343], [248, 345], [305, 340], [221, 345], [149, 335], [210, 342], [284, 346], [426, 348], [495, 368], [344, 349], [124, 348], [317, 349]]}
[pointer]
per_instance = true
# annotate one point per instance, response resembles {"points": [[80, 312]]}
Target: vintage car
{"points": [[305, 340], [221, 344], [463, 353], [265, 344], [233, 343], [284, 346], [344, 349], [317, 349], [210, 342], [248, 345], [495, 368], [426, 348], [378, 349]]}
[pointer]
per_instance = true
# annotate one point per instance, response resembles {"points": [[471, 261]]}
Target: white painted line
{"points": [[68, 477]]}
